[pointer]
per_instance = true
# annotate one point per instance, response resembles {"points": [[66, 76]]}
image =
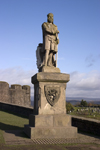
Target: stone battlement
{"points": [[16, 94]]}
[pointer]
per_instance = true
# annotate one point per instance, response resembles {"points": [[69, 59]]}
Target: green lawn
{"points": [[10, 122]]}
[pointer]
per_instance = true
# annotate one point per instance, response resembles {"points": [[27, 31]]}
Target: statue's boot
{"points": [[50, 60]]}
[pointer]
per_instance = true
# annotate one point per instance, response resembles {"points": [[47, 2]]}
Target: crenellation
{"points": [[27, 88], [16, 94], [16, 86]]}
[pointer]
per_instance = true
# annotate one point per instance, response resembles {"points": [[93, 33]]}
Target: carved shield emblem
{"points": [[52, 93]]}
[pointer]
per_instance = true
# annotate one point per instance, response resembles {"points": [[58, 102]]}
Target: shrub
{"points": [[69, 107]]}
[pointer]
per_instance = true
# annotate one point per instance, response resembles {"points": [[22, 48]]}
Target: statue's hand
{"points": [[57, 31], [57, 41], [53, 32]]}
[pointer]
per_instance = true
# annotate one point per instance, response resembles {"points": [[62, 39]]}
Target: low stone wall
{"points": [[86, 125], [20, 110]]}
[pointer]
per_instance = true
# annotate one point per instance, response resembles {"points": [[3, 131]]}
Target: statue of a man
{"points": [[50, 41]]}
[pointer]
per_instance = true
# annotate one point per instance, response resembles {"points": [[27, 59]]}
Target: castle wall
{"points": [[16, 94]]}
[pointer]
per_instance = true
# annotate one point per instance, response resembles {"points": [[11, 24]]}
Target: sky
{"points": [[78, 22]]}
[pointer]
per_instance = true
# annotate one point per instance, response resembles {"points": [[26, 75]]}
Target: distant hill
{"points": [[73, 102], [84, 98], [76, 100]]}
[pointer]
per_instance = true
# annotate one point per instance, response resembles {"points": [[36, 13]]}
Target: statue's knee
{"points": [[47, 51]]}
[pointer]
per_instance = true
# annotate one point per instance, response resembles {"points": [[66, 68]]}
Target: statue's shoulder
{"points": [[54, 25], [45, 24]]}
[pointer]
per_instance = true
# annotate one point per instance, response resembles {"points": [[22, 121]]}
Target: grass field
{"points": [[10, 121]]}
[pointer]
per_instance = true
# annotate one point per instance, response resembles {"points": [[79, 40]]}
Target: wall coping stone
{"points": [[83, 118], [31, 107]]}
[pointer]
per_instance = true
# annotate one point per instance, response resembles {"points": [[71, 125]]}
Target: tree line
{"points": [[83, 103]]}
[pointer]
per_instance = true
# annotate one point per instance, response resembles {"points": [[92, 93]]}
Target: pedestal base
{"points": [[47, 132], [49, 69], [50, 126]]}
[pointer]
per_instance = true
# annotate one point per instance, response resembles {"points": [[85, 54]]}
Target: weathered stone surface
{"points": [[49, 120], [50, 93], [41, 120], [50, 126], [17, 94], [49, 132], [49, 69], [50, 77], [4, 91], [61, 120]]}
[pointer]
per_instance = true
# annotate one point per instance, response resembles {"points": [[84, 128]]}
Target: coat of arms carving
{"points": [[52, 93]]}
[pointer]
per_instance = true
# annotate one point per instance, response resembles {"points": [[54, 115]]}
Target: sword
{"points": [[57, 48], [56, 58]]}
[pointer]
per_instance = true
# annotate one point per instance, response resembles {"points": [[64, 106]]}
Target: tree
{"points": [[90, 104], [83, 103], [69, 107]]}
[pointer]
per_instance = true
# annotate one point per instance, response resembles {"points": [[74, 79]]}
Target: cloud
{"points": [[17, 76], [90, 60], [80, 84], [89, 65], [84, 85]]}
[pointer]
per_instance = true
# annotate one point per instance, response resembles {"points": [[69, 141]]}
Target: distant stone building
{"points": [[16, 94]]}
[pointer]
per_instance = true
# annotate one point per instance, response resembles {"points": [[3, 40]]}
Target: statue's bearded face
{"points": [[50, 18]]}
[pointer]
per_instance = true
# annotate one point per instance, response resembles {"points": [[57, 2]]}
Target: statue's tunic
{"points": [[49, 39]]}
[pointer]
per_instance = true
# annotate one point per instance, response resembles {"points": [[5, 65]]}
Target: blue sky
{"points": [[78, 51]]}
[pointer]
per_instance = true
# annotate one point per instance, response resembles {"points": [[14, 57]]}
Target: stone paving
{"points": [[17, 137]]}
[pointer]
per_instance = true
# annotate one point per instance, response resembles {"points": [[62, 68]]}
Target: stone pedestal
{"points": [[50, 119], [49, 93]]}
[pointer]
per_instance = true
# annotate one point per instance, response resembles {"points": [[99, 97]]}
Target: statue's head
{"points": [[50, 18]]}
